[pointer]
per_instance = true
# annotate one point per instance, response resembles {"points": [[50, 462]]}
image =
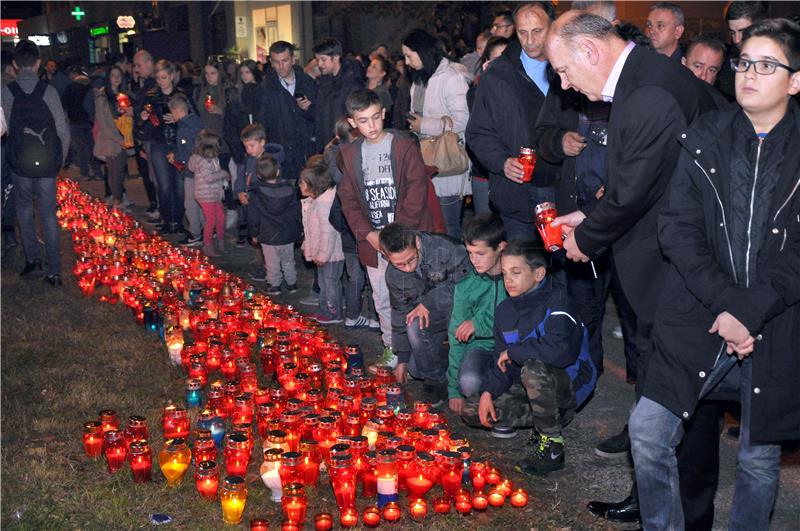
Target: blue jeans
{"points": [[429, 353], [451, 211], [330, 289], [356, 280], [477, 362], [44, 192], [170, 185], [480, 195], [655, 432]]}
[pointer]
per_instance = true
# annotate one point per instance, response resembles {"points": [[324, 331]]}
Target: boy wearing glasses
{"points": [[729, 314], [421, 279]]}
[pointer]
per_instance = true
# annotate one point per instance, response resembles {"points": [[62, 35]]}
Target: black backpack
{"points": [[34, 148]]}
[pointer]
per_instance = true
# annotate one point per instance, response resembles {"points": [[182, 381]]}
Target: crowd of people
{"points": [[672, 169]]}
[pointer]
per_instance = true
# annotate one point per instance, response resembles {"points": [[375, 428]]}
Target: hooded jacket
{"points": [[273, 212], [331, 94]]}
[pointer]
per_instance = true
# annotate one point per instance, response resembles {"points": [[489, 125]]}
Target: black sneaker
{"points": [[53, 280], [191, 241], [273, 290], [31, 269], [241, 241], [434, 393], [291, 288], [545, 457], [616, 446], [258, 276]]}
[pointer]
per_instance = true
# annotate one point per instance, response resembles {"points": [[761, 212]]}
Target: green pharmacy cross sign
{"points": [[78, 13]]}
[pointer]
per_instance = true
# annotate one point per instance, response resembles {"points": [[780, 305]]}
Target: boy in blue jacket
{"points": [[541, 345], [189, 124]]}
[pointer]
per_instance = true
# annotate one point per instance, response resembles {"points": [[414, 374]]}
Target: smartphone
{"points": [[299, 95]]}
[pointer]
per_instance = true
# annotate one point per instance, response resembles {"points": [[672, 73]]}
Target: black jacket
{"points": [[331, 95], [164, 133], [507, 104], [242, 110], [442, 263], [541, 324], [273, 213], [655, 99], [73, 102], [286, 123], [695, 237]]}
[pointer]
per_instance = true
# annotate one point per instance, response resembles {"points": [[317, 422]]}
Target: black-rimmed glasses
{"points": [[763, 68]]}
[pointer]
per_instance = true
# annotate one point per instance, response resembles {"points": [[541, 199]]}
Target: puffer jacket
{"points": [[322, 242], [208, 179], [273, 212]]}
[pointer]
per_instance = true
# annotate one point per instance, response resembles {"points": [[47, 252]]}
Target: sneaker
{"points": [[616, 333], [272, 290], [53, 280], [241, 241], [325, 320], [192, 241], [374, 325], [152, 214], [615, 446], [434, 393], [546, 456], [260, 276], [31, 269], [165, 229], [388, 358], [358, 322], [291, 288], [310, 300]]}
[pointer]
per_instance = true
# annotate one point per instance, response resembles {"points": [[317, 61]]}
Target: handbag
{"points": [[446, 152]]}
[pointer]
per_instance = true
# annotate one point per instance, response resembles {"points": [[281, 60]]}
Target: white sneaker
{"points": [[373, 325], [388, 358], [310, 300], [358, 322]]}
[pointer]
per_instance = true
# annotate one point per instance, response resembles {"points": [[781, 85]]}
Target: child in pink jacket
{"points": [[323, 243]]}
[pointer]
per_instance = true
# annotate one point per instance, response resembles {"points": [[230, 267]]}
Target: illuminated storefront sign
{"points": [[98, 30], [126, 21], [8, 27], [40, 40]]}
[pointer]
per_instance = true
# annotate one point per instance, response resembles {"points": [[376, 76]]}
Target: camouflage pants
{"points": [[544, 400]]}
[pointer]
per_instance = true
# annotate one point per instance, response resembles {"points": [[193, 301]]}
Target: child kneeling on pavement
{"points": [[542, 347], [421, 279]]}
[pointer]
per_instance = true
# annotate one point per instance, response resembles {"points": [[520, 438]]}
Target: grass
{"points": [[66, 357]]}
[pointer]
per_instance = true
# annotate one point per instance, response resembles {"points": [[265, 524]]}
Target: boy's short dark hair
{"points": [[267, 168], [254, 132], [785, 33], [328, 47], [533, 253], [26, 53], [343, 129], [752, 11], [281, 46], [487, 228], [395, 238], [361, 99], [317, 176], [179, 101]]}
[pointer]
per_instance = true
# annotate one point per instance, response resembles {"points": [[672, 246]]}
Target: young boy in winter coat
{"points": [[470, 333], [730, 307], [274, 220], [542, 347]]}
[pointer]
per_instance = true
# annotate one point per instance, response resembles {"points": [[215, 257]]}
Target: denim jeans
{"points": [[451, 211], [380, 296], [480, 195], [477, 362], [655, 433], [356, 280], [43, 191], [429, 352], [330, 289], [170, 184], [148, 181]]}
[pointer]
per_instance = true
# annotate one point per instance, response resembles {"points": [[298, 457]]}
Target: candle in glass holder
{"points": [[141, 461], [175, 422], [206, 479], [349, 517], [269, 472], [294, 504], [477, 473], [289, 469], [310, 459], [136, 429], [343, 480], [519, 498], [418, 509], [493, 476], [115, 450], [442, 505], [506, 487], [386, 472], [496, 498], [480, 501], [211, 421], [237, 454], [233, 499], [194, 392], [371, 516], [420, 480], [452, 471], [323, 522], [174, 460], [93, 438], [109, 420], [259, 524], [391, 512], [463, 503]]}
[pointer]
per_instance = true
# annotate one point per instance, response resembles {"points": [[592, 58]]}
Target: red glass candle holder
{"points": [[463, 502], [519, 498], [527, 158], [442, 505], [371, 516], [392, 512], [109, 420], [175, 422], [477, 474], [496, 498], [237, 455], [206, 479], [323, 522], [480, 501], [349, 517], [551, 236], [294, 503], [289, 470], [136, 429], [418, 509], [343, 480], [421, 479], [93, 438], [115, 450], [140, 458], [259, 524]]}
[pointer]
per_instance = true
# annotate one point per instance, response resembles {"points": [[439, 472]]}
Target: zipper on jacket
{"points": [[724, 222], [791, 194], [750, 220], [783, 242]]}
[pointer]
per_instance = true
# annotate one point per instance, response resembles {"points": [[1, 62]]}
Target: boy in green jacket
{"points": [[472, 319]]}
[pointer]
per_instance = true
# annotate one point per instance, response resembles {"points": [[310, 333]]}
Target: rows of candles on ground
{"points": [[319, 413]]}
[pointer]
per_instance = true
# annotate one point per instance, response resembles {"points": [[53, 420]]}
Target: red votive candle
{"points": [[93, 438], [371, 516]]}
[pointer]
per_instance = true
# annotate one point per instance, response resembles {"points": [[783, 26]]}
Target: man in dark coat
{"points": [[654, 98], [730, 231], [285, 108], [502, 120], [339, 78]]}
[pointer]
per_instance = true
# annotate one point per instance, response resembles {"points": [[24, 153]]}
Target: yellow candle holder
{"points": [[174, 461], [233, 499]]}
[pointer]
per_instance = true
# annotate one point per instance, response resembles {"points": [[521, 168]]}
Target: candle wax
{"points": [[174, 471]]}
